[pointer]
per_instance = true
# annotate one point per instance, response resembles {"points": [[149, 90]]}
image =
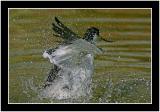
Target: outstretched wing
{"points": [[71, 55], [64, 32]]}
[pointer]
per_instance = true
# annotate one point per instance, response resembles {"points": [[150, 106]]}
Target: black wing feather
{"points": [[64, 32]]}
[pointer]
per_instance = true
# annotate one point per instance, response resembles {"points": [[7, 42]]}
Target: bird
{"points": [[73, 62]]}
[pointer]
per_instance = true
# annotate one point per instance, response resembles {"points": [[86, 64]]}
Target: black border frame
{"points": [[80, 4]]}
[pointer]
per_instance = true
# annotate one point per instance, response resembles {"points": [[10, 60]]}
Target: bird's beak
{"points": [[106, 40]]}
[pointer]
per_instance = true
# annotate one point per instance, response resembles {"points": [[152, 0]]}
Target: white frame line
{"points": [[80, 8]]}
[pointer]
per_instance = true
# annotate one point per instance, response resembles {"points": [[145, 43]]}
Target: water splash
{"points": [[75, 69], [69, 84], [124, 91]]}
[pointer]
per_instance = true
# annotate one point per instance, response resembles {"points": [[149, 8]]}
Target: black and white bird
{"points": [[73, 67]]}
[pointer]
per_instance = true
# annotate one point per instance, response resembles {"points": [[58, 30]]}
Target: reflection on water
{"points": [[122, 73], [132, 20]]}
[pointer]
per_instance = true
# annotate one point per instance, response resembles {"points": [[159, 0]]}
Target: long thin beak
{"points": [[106, 39]]}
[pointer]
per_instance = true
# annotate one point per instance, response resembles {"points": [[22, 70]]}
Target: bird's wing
{"points": [[71, 55], [64, 56], [64, 32]]}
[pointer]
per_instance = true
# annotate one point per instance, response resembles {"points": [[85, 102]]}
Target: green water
{"points": [[122, 73]]}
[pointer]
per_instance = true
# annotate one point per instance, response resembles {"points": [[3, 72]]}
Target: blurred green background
{"points": [[122, 74]]}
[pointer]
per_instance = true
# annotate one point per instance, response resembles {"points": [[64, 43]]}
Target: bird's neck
{"points": [[91, 38]]}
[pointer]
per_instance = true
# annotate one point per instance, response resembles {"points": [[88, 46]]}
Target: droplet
{"points": [[109, 34]]}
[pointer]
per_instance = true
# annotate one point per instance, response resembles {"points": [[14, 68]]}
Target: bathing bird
{"points": [[73, 62]]}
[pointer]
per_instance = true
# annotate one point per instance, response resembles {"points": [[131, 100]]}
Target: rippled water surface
{"points": [[122, 73]]}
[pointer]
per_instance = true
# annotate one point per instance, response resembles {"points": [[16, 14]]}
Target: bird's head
{"points": [[92, 35]]}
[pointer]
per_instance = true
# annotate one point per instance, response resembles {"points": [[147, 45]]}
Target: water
{"points": [[121, 73], [75, 70]]}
